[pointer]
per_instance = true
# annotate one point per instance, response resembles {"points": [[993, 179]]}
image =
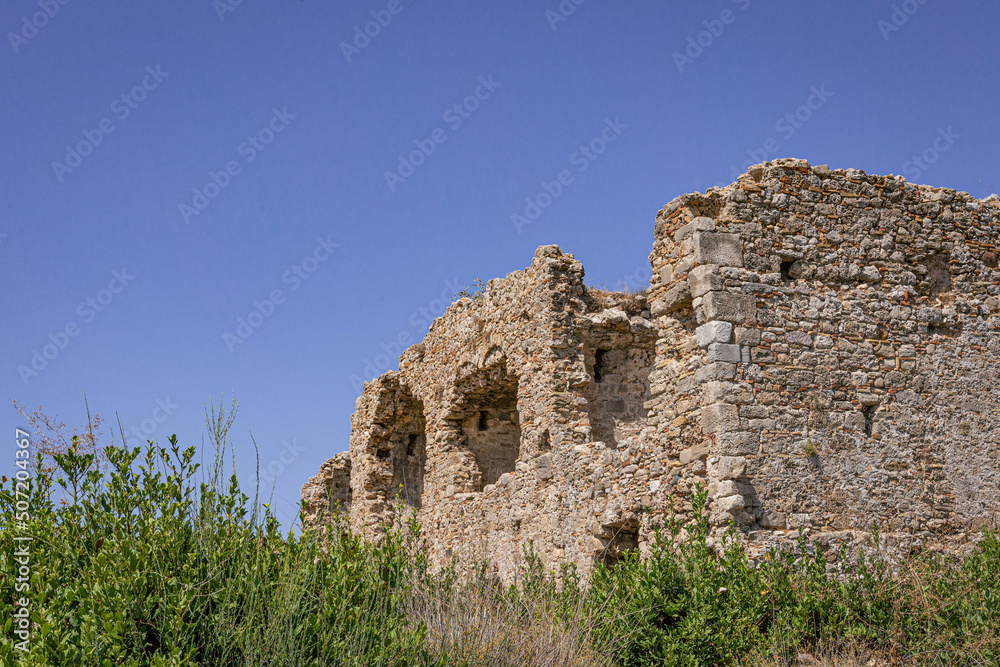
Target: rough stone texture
{"points": [[329, 490], [818, 348]]}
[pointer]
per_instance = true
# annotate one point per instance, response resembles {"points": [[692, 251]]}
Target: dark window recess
{"points": [[411, 445], [484, 421], [869, 412], [599, 365], [786, 268], [938, 274], [383, 454]]}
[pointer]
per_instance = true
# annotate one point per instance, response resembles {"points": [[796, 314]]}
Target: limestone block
{"points": [[703, 279], [675, 298], [719, 418], [718, 248], [713, 332], [715, 372], [695, 452], [728, 306], [746, 336], [727, 487], [772, 519], [699, 224], [868, 399], [724, 352], [738, 443], [730, 503], [543, 466], [731, 467], [799, 338]]}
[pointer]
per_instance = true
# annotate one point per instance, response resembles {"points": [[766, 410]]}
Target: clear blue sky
{"points": [[114, 114]]}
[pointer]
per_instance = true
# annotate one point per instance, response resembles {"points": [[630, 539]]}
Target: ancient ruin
{"points": [[818, 348]]}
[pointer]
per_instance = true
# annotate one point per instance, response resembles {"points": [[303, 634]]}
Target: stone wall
{"points": [[818, 348]]}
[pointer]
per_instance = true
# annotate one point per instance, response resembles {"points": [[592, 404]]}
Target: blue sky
{"points": [[169, 171]]}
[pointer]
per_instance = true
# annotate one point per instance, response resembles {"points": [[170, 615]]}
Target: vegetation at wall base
{"points": [[149, 560]]}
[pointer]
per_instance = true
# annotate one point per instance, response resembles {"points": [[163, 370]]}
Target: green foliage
{"points": [[687, 606], [474, 292], [140, 562], [142, 565]]}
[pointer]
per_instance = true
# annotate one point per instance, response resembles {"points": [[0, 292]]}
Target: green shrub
{"points": [[141, 565], [140, 562], [687, 606]]}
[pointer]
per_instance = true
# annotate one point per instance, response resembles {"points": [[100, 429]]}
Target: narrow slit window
{"points": [[484, 421], [599, 365]]}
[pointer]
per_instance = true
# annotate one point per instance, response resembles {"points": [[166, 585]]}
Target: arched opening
{"points": [[489, 425], [616, 398], [406, 448]]}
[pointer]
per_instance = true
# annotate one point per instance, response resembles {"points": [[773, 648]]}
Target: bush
{"points": [[140, 565], [137, 562], [687, 606]]}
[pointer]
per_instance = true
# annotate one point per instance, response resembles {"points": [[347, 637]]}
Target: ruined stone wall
{"points": [[849, 347], [329, 490], [819, 349]]}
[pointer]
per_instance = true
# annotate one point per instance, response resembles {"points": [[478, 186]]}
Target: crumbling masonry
{"points": [[818, 348]]}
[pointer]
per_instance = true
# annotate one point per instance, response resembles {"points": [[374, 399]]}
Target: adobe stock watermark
{"points": [[38, 20], [714, 28], [454, 116], [21, 561], [249, 149], [138, 434], [786, 126], [917, 165], [581, 158], [901, 13], [363, 36], [562, 12], [223, 7], [122, 107], [290, 452], [293, 277], [88, 309], [419, 321]]}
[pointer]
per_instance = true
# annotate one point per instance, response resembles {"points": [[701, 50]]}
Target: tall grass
{"points": [[150, 560]]}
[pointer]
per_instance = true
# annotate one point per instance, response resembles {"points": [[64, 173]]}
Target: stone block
{"points": [[746, 336], [717, 392], [738, 443], [675, 298], [724, 352], [713, 332], [727, 487], [731, 503], [718, 248], [699, 224], [868, 399], [543, 466], [703, 279], [715, 372], [695, 452], [731, 467], [719, 418], [772, 519], [799, 338], [729, 306]]}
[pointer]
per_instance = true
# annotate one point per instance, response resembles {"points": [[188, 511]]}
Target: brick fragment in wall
{"points": [[819, 346]]}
